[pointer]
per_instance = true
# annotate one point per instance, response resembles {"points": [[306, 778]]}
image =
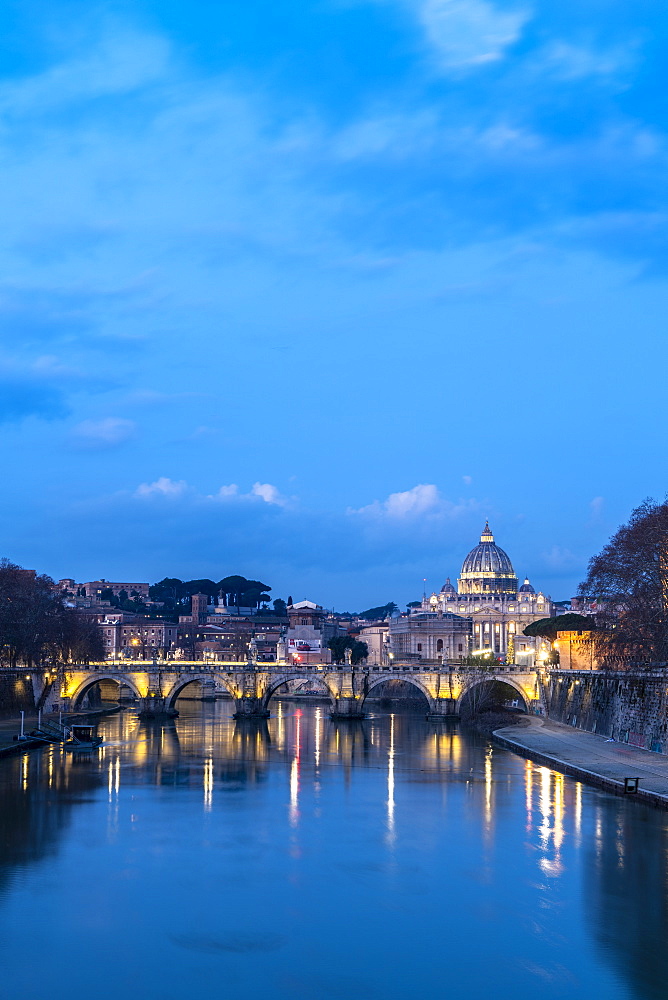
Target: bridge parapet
{"points": [[252, 685]]}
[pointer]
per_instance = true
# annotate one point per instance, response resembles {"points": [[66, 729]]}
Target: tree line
{"points": [[35, 625], [627, 586], [175, 596], [626, 589], [340, 644], [235, 591]]}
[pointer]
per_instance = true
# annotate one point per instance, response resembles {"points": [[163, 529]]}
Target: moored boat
{"points": [[82, 738]]}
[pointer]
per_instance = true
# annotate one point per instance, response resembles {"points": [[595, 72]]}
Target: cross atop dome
{"points": [[487, 535]]}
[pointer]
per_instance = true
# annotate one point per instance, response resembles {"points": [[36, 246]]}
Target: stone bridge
{"points": [[158, 684]]}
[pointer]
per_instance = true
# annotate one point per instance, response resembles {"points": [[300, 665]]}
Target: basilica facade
{"points": [[488, 599]]}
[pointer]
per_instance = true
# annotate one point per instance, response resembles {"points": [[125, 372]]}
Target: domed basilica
{"points": [[487, 611]]}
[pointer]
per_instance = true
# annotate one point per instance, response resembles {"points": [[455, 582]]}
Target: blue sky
{"points": [[307, 291]]}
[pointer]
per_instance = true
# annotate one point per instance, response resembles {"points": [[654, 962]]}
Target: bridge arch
{"points": [[89, 682], [415, 682], [494, 679], [187, 678], [277, 682]]}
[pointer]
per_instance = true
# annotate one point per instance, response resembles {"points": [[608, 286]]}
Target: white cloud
{"points": [[162, 487], [268, 493], [263, 491], [227, 491], [165, 487], [467, 480], [106, 433], [470, 32], [422, 500]]}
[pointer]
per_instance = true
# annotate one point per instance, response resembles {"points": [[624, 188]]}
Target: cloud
{"points": [[226, 491], [100, 434], [258, 491], [467, 33], [422, 500], [269, 494], [178, 489], [162, 487]]}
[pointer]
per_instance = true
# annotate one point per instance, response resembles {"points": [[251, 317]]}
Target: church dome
{"points": [[526, 587], [487, 557], [447, 588], [487, 569]]}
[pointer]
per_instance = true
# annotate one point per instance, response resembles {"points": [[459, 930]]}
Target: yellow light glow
{"points": [[208, 784], [391, 833]]}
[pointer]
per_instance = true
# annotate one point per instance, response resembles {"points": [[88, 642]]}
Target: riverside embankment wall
{"points": [[630, 706], [16, 691]]}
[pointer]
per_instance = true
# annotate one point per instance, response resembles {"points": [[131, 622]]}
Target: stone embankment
{"points": [[631, 706], [589, 757], [16, 691]]}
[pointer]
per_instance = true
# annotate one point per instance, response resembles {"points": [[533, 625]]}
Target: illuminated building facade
{"points": [[309, 630], [430, 635], [488, 595]]}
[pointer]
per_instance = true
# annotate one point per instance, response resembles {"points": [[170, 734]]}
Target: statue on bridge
{"points": [[252, 651]]}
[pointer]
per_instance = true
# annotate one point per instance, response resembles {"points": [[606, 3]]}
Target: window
{"points": [[477, 628], [511, 627], [304, 621], [439, 646], [497, 628], [512, 607], [419, 646], [462, 609], [486, 626], [460, 648]]}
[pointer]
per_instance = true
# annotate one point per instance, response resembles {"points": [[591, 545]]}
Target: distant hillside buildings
{"points": [[91, 592], [485, 613]]}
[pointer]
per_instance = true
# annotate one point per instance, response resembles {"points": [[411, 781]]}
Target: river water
{"points": [[305, 858]]}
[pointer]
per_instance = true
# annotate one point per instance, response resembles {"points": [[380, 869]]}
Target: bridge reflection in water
{"points": [[415, 849]]}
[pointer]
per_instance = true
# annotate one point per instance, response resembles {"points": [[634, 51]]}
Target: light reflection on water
{"points": [[390, 858]]}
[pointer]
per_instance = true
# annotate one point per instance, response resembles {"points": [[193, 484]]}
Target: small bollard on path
{"points": [[631, 785]]}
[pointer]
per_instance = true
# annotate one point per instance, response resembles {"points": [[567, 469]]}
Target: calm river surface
{"points": [[305, 858]]}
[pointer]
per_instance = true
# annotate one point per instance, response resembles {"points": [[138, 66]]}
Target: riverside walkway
{"points": [[589, 757], [10, 725]]}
